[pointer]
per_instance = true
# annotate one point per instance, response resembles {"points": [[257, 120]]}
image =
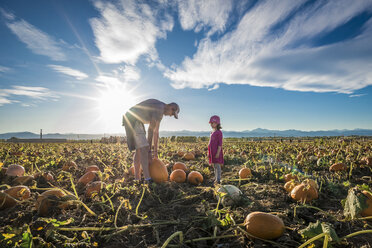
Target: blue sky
{"points": [[76, 66]]}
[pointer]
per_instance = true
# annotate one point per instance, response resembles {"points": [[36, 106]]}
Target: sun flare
{"points": [[113, 101]]}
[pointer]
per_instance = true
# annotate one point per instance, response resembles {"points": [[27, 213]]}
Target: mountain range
{"points": [[258, 132]]}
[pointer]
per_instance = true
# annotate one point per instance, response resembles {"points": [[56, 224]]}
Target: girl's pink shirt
{"points": [[214, 142]]}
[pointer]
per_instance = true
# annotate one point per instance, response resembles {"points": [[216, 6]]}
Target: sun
{"points": [[112, 102]]}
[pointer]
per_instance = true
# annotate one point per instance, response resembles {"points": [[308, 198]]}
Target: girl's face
{"points": [[213, 124]]}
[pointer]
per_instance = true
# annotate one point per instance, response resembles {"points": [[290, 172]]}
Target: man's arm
{"points": [[150, 132], [156, 138]]}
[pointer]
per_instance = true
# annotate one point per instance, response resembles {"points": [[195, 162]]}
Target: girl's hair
{"points": [[219, 127]]}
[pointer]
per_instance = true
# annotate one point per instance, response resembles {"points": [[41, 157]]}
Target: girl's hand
{"points": [[217, 156]]}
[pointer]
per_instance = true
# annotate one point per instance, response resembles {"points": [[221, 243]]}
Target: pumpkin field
{"points": [[314, 192]]}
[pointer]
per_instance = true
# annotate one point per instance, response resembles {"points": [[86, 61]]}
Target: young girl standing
{"points": [[215, 153]]}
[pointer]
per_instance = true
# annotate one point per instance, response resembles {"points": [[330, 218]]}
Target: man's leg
{"points": [[144, 157], [137, 165]]}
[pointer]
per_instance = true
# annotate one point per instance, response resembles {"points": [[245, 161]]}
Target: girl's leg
{"points": [[137, 165], [217, 172]]}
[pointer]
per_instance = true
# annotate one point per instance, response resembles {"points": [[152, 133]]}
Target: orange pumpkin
{"points": [[195, 178], [245, 173], [289, 177], [15, 170], [94, 187], [158, 171], [313, 183], [288, 186], [304, 193], [181, 166], [69, 165], [92, 168], [264, 225], [178, 176], [47, 176], [189, 156], [366, 161], [19, 192], [87, 178], [338, 167], [6, 201], [368, 211], [180, 153]]}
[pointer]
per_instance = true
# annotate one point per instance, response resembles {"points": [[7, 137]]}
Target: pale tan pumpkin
{"points": [[158, 171], [264, 225]]}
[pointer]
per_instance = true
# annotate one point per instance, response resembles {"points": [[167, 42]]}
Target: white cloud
{"points": [[4, 69], [122, 75], [35, 93], [36, 40], [128, 29], [69, 71], [254, 54], [357, 95], [196, 14], [7, 15]]}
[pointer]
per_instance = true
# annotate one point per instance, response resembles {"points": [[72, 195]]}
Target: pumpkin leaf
{"points": [[317, 228], [327, 228], [26, 239], [312, 230], [354, 204]]}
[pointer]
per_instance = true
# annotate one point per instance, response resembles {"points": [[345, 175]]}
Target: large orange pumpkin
{"points": [[15, 170], [289, 177], [44, 204], [245, 173], [180, 153], [195, 178], [94, 187], [92, 168], [19, 192], [6, 201], [288, 186], [264, 225], [181, 166], [189, 156], [310, 181], [87, 178], [368, 211], [69, 165], [158, 171], [178, 176], [304, 193], [338, 167]]}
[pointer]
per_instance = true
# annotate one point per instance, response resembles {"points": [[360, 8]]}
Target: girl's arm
{"points": [[219, 144], [218, 151]]}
